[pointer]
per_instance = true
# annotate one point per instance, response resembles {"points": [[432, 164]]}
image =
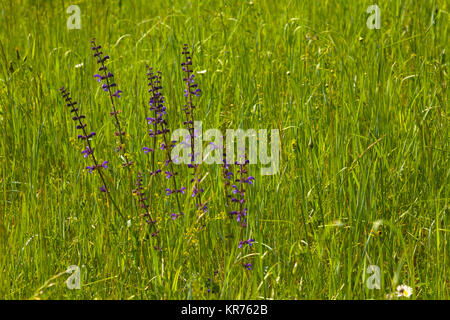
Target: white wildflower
{"points": [[404, 291]]}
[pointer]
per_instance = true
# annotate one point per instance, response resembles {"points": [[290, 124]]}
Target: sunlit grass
{"points": [[363, 120]]}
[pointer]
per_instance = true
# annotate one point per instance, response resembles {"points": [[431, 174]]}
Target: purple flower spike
{"points": [[106, 78], [117, 93], [237, 194], [190, 91], [88, 151], [158, 132]]}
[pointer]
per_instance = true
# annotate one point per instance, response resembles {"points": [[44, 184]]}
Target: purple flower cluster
{"points": [[190, 91], [158, 128], [104, 165], [106, 78], [249, 242], [236, 176], [235, 198], [238, 195], [88, 151], [238, 191]]}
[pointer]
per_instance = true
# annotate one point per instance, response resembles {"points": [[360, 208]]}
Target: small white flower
{"points": [[201, 72], [404, 291], [79, 65]]}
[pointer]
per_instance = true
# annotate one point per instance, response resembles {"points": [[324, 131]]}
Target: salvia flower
{"points": [[227, 174], [238, 192], [116, 94], [249, 242], [104, 165], [235, 192], [195, 191], [154, 173], [191, 89], [169, 174], [106, 78], [158, 131], [88, 151]]}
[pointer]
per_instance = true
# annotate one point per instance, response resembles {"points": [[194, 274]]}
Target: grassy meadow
{"points": [[364, 150]]}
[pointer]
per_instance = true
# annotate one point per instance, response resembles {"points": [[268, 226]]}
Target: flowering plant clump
{"points": [[161, 177]]}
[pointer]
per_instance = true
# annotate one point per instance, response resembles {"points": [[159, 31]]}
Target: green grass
{"points": [[363, 120]]}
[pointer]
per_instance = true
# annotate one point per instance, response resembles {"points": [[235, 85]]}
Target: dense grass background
{"points": [[363, 120]]}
